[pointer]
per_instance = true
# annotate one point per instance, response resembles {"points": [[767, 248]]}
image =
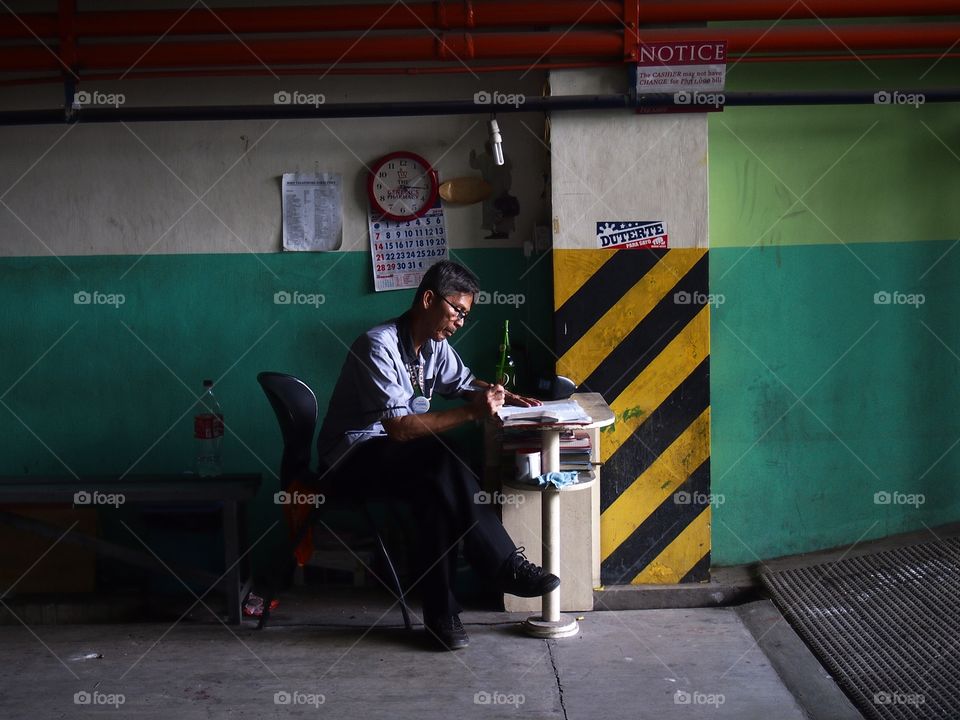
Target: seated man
{"points": [[380, 437]]}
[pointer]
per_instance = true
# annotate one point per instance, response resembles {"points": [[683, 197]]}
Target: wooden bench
{"points": [[231, 491]]}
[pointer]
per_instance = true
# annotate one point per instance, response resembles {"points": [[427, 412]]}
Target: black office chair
{"points": [[296, 408]]}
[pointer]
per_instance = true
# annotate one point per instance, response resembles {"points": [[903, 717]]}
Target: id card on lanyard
{"points": [[420, 403]]}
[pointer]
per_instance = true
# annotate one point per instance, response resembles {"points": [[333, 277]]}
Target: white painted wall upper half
{"points": [[617, 165], [212, 187]]}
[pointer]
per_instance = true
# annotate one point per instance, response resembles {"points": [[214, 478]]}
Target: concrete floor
{"points": [[338, 657]]}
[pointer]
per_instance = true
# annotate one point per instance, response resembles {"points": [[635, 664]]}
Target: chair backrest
{"points": [[296, 408]]}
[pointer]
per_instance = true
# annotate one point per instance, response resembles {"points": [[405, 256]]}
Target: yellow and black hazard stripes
{"points": [[634, 326]]}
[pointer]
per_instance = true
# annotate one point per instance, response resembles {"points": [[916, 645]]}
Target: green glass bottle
{"points": [[506, 371]]}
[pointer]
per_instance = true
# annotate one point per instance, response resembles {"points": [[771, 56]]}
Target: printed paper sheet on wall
{"points": [[312, 211]]}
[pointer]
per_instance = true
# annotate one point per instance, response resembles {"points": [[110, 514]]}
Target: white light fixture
{"points": [[496, 141]]}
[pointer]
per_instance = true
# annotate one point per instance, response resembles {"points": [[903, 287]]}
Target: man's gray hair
{"points": [[447, 278]]}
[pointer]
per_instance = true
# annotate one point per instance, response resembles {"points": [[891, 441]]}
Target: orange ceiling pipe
{"points": [[464, 47], [441, 15], [812, 38], [456, 68], [661, 11], [257, 53], [451, 14]]}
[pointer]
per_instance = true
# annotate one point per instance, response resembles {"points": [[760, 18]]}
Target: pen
{"points": [[475, 388]]}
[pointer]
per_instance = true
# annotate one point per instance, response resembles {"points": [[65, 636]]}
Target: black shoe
{"points": [[447, 631], [521, 577]]}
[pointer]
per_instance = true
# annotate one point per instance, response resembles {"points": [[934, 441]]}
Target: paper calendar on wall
{"points": [[401, 252]]}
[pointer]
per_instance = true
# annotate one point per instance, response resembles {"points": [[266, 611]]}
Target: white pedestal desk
{"points": [[561, 534]]}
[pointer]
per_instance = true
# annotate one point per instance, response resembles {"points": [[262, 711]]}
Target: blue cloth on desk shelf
{"points": [[557, 479]]}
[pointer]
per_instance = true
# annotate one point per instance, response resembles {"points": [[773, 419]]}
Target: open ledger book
{"points": [[552, 411]]}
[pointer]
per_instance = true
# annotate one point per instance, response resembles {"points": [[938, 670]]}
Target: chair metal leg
{"points": [[410, 543], [287, 567], [273, 591], [391, 570], [286, 570]]}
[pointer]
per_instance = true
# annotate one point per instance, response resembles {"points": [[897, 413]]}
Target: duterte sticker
{"points": [[632, 235]]}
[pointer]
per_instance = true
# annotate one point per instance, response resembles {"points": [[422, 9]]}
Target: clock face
{"points": [[402, 186]]}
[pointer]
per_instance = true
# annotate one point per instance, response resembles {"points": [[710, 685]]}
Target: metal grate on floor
{"points": [[886, 625]]}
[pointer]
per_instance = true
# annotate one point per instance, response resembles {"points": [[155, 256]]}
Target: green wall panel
{"points": [[835, 174], [878, 382], [97, 388], [877, 388]]}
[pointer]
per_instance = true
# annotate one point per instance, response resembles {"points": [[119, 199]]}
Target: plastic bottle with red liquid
{"points": [[208, 433]]}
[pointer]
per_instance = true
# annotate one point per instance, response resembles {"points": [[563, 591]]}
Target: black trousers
{"points": [[429, 476]]}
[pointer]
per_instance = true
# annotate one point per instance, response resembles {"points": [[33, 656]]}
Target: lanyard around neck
{"points": [[416, 376]]}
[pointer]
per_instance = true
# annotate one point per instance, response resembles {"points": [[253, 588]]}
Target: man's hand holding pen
{"points": [[488, 399], [492, 397]]}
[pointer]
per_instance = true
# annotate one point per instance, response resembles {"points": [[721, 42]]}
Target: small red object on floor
{"points": [[253, 605]]}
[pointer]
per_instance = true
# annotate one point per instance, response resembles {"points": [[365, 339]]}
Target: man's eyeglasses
{"points": [[461, 313]]}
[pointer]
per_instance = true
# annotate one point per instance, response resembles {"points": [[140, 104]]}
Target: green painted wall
{"points": [[100, 389], [863, 173], [821, 397]]}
